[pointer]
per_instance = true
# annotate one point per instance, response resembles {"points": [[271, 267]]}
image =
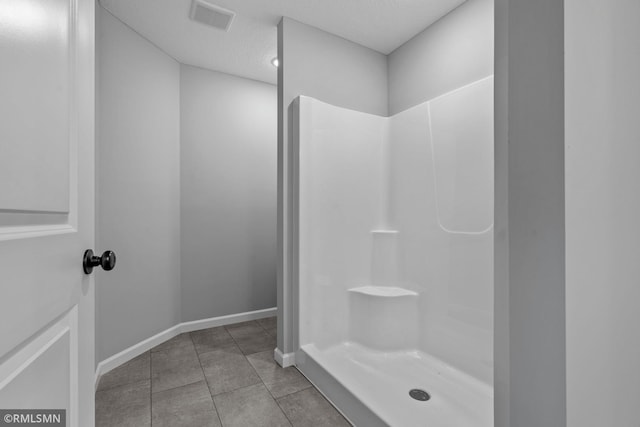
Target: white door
{"points": [[46, 206]]}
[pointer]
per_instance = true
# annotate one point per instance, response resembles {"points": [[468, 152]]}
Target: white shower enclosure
{"points": [[393, 276]]}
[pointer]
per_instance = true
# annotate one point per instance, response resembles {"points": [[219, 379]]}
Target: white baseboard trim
{"points": [[284, 359], [212, 322], [135, 350], [196, 325]]}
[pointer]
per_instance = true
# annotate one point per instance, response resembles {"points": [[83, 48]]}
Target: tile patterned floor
{"points": [[218, 377]]}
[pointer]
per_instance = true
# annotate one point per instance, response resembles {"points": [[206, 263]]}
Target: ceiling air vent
{"points": [[211, 15]]}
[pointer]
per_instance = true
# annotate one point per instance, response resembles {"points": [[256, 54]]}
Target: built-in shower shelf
{"points": [[383, 291]]}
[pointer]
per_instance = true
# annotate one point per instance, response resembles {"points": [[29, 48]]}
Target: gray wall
{"points": [[529, 349], [186, 183], [603, 208], [228, 194], [454, 51], [334, 70], [138, 200]]}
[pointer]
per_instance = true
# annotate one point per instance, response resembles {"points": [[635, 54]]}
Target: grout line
{"points": [[236, 342], [265, 329], [235, 389], [199, 363], [246, 360], [299, 391], [233, 338], [178, 386], [283, 412], [254, 370], [323, 397], [206, 381], [223, 347]]}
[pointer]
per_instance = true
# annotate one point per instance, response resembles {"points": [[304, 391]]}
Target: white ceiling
{"points": [[247, 49]]}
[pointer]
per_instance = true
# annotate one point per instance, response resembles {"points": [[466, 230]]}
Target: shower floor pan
{"points": [[371, 388]]}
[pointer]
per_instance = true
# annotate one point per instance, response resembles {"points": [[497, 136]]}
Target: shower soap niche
{"points": [[383, 318]]}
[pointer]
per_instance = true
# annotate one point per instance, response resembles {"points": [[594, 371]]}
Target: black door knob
{"points": [[107, 261]]}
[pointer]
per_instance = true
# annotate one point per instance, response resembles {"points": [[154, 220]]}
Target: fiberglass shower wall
{"points": [[395, 228]]}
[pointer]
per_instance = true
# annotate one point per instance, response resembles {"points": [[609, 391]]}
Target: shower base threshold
{"points": [[371, 388]]}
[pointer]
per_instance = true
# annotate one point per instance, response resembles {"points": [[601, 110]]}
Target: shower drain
{"points": [[418, 394]]}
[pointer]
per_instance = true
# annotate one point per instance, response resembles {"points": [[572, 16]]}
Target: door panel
{"points": [[40, 375], [46, 205], [36, 38]]}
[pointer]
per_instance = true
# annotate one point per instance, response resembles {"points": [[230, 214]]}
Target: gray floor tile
{"points": [[137, 369], [125, 406], [187, 406], [268, 322], [279, 381], [175, 367], [242, 324], [177, 341], [250, 407], [308, 408], [248, 387], [252, 338], [244, 330], [211, 339], [227, 369], [270, 325]]}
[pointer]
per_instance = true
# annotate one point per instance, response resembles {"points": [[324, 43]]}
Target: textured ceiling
{"points": [[247, 49]]}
